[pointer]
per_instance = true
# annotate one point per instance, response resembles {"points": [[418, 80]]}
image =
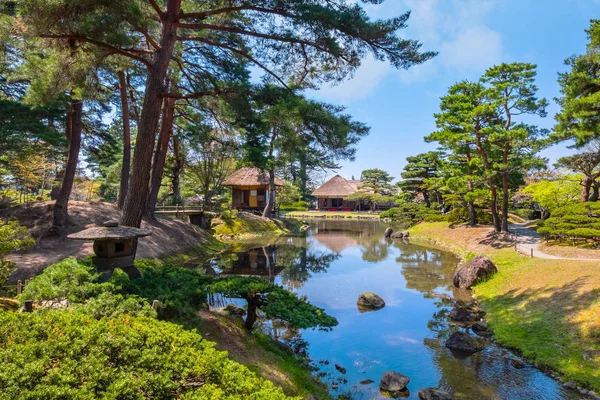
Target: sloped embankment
{"points": [[169, 236]]}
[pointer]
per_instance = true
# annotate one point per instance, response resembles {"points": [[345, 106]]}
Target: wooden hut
{"points": [[249, 188], [330, 195]]}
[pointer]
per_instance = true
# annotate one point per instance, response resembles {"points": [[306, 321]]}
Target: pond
{"points": [[333, 264]]}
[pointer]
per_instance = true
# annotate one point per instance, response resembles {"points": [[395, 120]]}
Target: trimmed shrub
{"points": [[68, 355], [296, 206], [576, 222], [412, 213]]}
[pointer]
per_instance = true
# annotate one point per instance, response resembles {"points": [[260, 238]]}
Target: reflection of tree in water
{"points": [[424, 269], [374, 251], [300, 264]]}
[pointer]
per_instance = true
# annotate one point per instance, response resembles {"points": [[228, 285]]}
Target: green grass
{"points": [[548, 310], [248, 225], [332, 214]]}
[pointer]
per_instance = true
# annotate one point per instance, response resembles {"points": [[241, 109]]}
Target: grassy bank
{"points": [[234, 225], [332, 214], [261, 355], [549, 310]]}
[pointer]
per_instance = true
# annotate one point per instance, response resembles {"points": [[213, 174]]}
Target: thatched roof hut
{"points": [[337, 187], [250, 176]]}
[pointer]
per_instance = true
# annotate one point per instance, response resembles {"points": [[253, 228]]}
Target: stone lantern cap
{"points": [[110, 231]]}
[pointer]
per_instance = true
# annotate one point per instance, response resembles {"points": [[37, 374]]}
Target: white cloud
{"points": [[361, 85], [474, 48], [455, 28]]}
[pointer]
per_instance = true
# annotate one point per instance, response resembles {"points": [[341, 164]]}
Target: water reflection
{"points": [[337, 261]]}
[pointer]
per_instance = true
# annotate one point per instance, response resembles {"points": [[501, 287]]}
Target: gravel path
{"points": [[528, 239]]}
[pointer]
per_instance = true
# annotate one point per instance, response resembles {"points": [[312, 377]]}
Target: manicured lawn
{"points": [[549, 310], [332, 214]]}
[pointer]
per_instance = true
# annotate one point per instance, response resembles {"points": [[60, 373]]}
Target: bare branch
{"points": [[225, 10], [156, 8]]}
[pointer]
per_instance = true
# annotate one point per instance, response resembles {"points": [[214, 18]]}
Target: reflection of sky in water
{"points": [[397, 337]]}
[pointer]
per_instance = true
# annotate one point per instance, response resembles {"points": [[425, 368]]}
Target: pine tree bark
{"points": [[587, 186], [126, 140], [251, 312], [176, 170], [73, 132], [137, 195], [160, 155], [505, 198], [271, 192]]}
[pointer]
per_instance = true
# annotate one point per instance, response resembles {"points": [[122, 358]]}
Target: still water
{"points": [[333, 264]]}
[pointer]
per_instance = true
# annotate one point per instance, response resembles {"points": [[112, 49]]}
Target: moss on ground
{"points": [[549, 310], [246, 225]]}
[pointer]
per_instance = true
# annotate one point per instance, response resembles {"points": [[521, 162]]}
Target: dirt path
{"points": [[528, 239]]}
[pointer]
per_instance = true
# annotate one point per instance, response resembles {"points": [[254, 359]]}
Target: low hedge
{"points": [[68, 355]]}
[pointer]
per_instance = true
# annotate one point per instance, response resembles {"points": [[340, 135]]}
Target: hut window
{"points": [[119, 247], [253, 193]]}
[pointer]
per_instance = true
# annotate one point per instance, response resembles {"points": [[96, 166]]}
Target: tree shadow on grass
{"points": [[542, 324]]}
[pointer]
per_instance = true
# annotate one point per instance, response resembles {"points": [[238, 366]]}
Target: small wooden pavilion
{"points": [[330, 195], [249, 187]]}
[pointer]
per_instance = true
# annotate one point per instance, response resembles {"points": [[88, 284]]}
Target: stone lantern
{"points": [[115, 247]]}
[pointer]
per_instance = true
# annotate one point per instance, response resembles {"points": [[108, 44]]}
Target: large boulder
{"points": [[469, 273], [434, 394], [388, 232], [463, 312], [464, 342], [400, 235], [368, 301], [393, 381]]}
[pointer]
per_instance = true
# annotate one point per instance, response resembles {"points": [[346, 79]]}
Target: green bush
{"points": [[68, 355], [296, 206], [412, 213], [575, 222], [76, 282], [180, 291], [13, 237]]}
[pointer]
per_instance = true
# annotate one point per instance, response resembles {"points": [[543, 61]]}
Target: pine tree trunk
{"points": [[126, 141], [137, 195], [472, 214], [177, 168], [160, 155], [587, 186], [251, 315], [505, 198], [494, 207], [270, 195], [303, 175], [61, 207], [595, 191]]}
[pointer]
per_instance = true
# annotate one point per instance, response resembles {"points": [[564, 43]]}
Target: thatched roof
{"points": [[250, 176], [335, 241], [338, 187]]}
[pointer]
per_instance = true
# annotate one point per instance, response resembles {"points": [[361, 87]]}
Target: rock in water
{"points": [[340, 368], [388, 232], [366, 382], [463, 312], [434, 394], [393, 381], [469, 273], [463, 342], [369, 301]]}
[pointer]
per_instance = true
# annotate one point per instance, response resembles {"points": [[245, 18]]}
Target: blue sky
{"points": [[470, 36]]}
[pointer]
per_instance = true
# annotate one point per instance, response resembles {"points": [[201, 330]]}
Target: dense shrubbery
{"points": [[108, 343], [13, 237], [296, 206], [58, 354], [576, 222], [413, 213], [76, 282], [180, 291]]}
